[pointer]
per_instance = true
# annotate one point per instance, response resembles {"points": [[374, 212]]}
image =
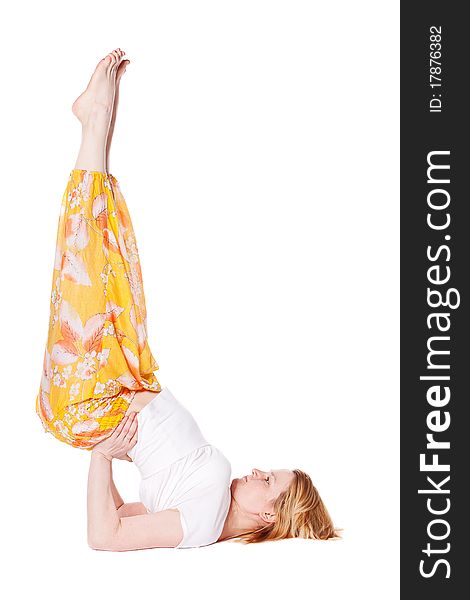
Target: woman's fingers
{"points": [[122, 424], [129, 427], [133, 439], [132, 430]]}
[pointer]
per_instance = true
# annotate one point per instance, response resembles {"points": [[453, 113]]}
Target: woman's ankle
{"points": [[92, 154]]}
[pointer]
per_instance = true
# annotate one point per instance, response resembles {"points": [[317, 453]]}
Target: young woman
{"points": [[99, 392]]}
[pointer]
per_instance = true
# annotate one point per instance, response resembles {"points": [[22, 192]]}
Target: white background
{"points": [[257, 149]]}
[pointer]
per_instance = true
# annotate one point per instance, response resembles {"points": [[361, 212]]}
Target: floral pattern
{"points": [[97, 354]]}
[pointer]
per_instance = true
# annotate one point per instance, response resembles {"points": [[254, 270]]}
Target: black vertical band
{"points": [[435, 253]]}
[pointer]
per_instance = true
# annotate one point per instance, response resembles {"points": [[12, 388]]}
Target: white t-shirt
{"points": [[180, 469]]}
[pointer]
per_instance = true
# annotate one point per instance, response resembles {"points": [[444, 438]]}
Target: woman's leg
{"points": [[97, 355], [119, 73], [94, 110]]}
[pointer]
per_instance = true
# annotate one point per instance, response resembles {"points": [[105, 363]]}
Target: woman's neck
{"points": [[237, 522]]}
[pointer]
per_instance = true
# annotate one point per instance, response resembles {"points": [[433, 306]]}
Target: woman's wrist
{"points": [[96, 452]]}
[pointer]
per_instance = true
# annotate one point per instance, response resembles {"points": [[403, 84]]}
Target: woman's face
{"points": [[256, 493]]}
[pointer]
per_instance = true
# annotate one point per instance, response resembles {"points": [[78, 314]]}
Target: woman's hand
{"points": [[123, 438]]}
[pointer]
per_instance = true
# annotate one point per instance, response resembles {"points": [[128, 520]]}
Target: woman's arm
{"points": [[113, 525], [131, 509], [108, 531], [118, 501], [103, 499], [102, 519], [124, 509]]}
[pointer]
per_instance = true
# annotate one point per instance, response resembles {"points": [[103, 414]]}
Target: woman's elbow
{"points": [[96, 543]]}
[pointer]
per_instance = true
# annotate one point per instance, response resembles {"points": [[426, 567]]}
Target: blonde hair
{"points": [[300, 513]]}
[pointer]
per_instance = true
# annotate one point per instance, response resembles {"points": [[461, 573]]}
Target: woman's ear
{"points": [[268, 517]]}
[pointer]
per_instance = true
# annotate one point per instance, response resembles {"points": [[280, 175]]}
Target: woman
{"points": [[98, 389]]}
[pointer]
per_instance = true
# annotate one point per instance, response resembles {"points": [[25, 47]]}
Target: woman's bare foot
{"points": [[120, 72], [99, 94], [94, 109]]}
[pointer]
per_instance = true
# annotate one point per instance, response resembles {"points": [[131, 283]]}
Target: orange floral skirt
{"points": [[97, 354]]}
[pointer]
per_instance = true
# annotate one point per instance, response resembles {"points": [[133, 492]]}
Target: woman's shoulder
{"points": [[203, 515], [203, 518]]}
